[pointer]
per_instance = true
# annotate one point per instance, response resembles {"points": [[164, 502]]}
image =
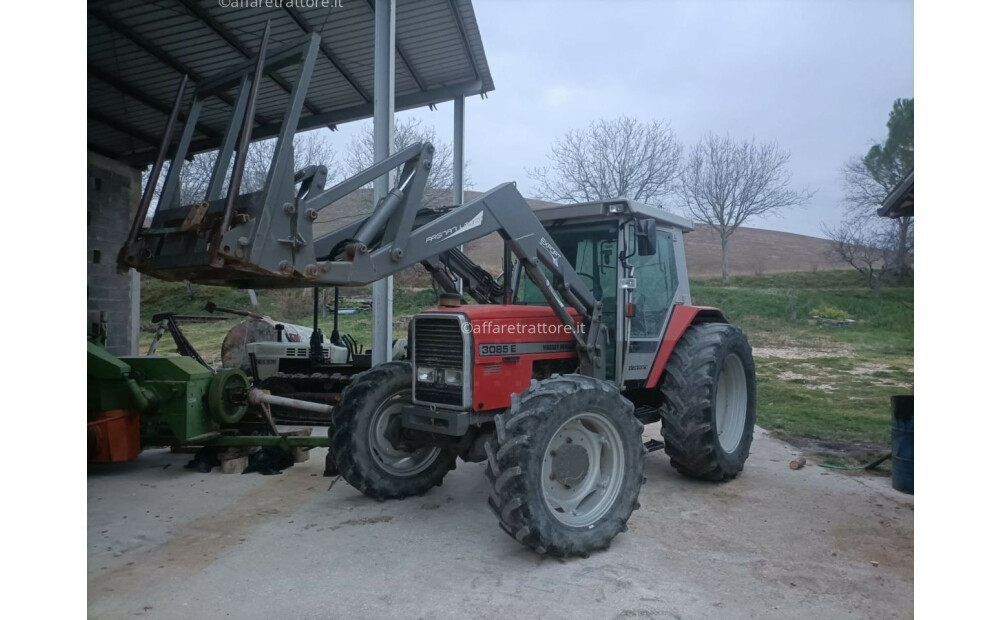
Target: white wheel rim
{"points": [[390, 459], [731, 403], [583, 469]]}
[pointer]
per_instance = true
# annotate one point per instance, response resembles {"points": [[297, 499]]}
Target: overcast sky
{"points": [[819, 77]]}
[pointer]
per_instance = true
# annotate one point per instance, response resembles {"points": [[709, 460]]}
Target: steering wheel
{"points": [[593, 283]]}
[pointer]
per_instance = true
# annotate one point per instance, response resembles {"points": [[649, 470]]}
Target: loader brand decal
{"points": [[524, 348], [448, 233], [639, 358], [551, 250]]}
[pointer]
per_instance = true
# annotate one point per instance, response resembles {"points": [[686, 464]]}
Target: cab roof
{"points": [[611, 208]]}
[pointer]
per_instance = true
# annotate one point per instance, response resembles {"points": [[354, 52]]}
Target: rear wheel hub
{"points": [[731, 403]]}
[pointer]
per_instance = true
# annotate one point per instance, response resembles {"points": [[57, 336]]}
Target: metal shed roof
{"points": [[899, 201], [138, 51]]}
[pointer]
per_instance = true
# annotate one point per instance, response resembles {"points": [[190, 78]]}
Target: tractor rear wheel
{"points": [[565, 465], [361, 438], [710, 402]]}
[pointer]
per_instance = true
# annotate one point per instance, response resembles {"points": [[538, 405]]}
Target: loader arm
{"points": [[354, 258], [477, 282], [502, 210]]}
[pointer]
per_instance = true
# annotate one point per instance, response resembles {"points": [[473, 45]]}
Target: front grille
{"points": [[304, 352], [438, 342]]}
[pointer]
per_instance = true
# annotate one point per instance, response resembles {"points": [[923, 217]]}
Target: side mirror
{"points": [[645, 236]]}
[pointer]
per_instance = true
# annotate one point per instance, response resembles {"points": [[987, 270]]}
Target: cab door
{"points": [[659, 286]]}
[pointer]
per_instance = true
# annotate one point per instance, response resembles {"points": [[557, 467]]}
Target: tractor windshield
{"points": [[592, 249]]}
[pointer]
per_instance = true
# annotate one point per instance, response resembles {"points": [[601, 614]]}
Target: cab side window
{"points": [[656, 284]]}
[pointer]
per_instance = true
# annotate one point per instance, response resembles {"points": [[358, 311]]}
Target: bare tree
{"points": [[869, 246], [195, 177], [874, 246], [863, 195], [862, 191], [616, 158], [868, 180], [361, 152], [310, 149], [727, 182]]}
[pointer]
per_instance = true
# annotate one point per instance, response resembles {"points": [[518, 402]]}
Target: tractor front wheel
{"points": [[565, 465], [361, 438], [709, 402]]}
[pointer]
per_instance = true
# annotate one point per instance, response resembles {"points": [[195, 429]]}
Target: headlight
{"points": [[452, 377], [426, 375]]}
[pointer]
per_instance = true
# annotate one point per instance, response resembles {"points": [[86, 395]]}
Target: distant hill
{"points": [[752, 251]]}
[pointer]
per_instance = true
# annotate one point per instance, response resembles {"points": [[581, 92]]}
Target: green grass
{"points": [[822, 385], [817, 386], [884, 325]]}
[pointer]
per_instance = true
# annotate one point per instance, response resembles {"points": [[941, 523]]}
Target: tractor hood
{"points": [[512, 312], [506, 342]]}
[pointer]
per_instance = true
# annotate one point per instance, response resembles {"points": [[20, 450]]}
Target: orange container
{"points": [[113, 437]]}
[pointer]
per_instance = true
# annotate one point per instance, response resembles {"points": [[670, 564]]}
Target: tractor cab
{"points": [[631, 256]]}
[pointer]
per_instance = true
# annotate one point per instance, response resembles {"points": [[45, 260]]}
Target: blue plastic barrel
{"points": [[902, 443]]}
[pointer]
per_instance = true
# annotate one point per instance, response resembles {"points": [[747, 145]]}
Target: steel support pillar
{"points": [[384, 95], [458, 151]]}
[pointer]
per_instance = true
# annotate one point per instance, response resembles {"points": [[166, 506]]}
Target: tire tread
{"points": [[347, 418], [686, 411], [511, 448]]}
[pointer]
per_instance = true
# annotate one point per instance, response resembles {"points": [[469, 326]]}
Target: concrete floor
{"points": [[164, 542]]}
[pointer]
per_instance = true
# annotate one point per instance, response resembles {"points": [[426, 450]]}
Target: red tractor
{"points": [[562, 434]]}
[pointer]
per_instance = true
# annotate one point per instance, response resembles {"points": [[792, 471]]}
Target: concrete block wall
{"points": [[113, 192]]}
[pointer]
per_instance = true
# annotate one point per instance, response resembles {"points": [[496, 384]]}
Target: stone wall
{"points": [[113, 192]]}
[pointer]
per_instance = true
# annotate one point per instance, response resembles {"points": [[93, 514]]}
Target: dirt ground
{"points": [[165, 542]]}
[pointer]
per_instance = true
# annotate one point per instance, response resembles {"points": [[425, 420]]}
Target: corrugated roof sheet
{"points": [[899, 202], [138, 51]]}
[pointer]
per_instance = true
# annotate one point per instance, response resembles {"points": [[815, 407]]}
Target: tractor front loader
{"points": [[549, 376]]}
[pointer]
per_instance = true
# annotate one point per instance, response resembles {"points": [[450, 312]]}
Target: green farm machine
{"points": [[151, 400]]}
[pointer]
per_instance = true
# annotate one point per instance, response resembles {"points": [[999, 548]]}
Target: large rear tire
{"points": [[710, 402], [360, 444], [565, 466]]}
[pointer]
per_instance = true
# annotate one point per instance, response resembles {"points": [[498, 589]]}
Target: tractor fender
{"points": [[682, 317]]}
